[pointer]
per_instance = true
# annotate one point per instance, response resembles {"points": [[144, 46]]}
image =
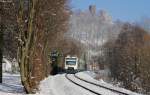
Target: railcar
{"points": [[71, 63]]}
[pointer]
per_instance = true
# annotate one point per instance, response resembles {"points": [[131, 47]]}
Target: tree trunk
{"points": [[25, 45], [1, 54], [1, 38]]}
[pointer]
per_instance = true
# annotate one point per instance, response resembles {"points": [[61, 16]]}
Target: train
{"points": [[71, 63]]}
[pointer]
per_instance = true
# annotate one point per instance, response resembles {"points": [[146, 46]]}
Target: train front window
{"points": [[71, 58], [70, 62]]}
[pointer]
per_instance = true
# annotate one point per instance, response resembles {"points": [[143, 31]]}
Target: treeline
{"points": [[9, 28], [123, 47], [129, 58], [91, 29]]}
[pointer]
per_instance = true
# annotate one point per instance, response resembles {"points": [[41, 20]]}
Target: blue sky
{"points": [[125, 10]]}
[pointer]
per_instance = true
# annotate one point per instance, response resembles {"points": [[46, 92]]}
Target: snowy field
{"points": [[57, 85]]}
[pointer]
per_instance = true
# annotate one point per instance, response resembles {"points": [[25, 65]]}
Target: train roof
{"points": [[71, 56]]}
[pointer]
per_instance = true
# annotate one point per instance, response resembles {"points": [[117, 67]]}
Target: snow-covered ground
{"points": [[89, 76], [11, 85], [10, 66], [7, 65], [97, 89], [57, 85]]}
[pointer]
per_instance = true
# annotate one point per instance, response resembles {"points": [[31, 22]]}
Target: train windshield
{"points": [[70, 62], [71, 59]]}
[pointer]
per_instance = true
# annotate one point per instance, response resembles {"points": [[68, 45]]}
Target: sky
{"points": [[125, 10]]}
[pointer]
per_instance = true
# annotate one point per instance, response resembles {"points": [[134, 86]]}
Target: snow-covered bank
{"points": [[100, 90], [11, 85], [56, 85], [7, 65], [10, 66], [89, 76], [59, 85]]}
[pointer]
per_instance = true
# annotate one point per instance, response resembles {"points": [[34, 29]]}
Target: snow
{"points": [[7, 65], [10, 66], [58, 85], [11, 85], [87, 75], [93, 87]]}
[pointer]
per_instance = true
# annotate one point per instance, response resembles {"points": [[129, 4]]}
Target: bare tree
{"points": [[128, 57], [92, 30], [45, 20]]}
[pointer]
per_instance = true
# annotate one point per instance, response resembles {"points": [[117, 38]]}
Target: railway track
{"points": [[98, 85], [82, 86], [122, 93]]}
